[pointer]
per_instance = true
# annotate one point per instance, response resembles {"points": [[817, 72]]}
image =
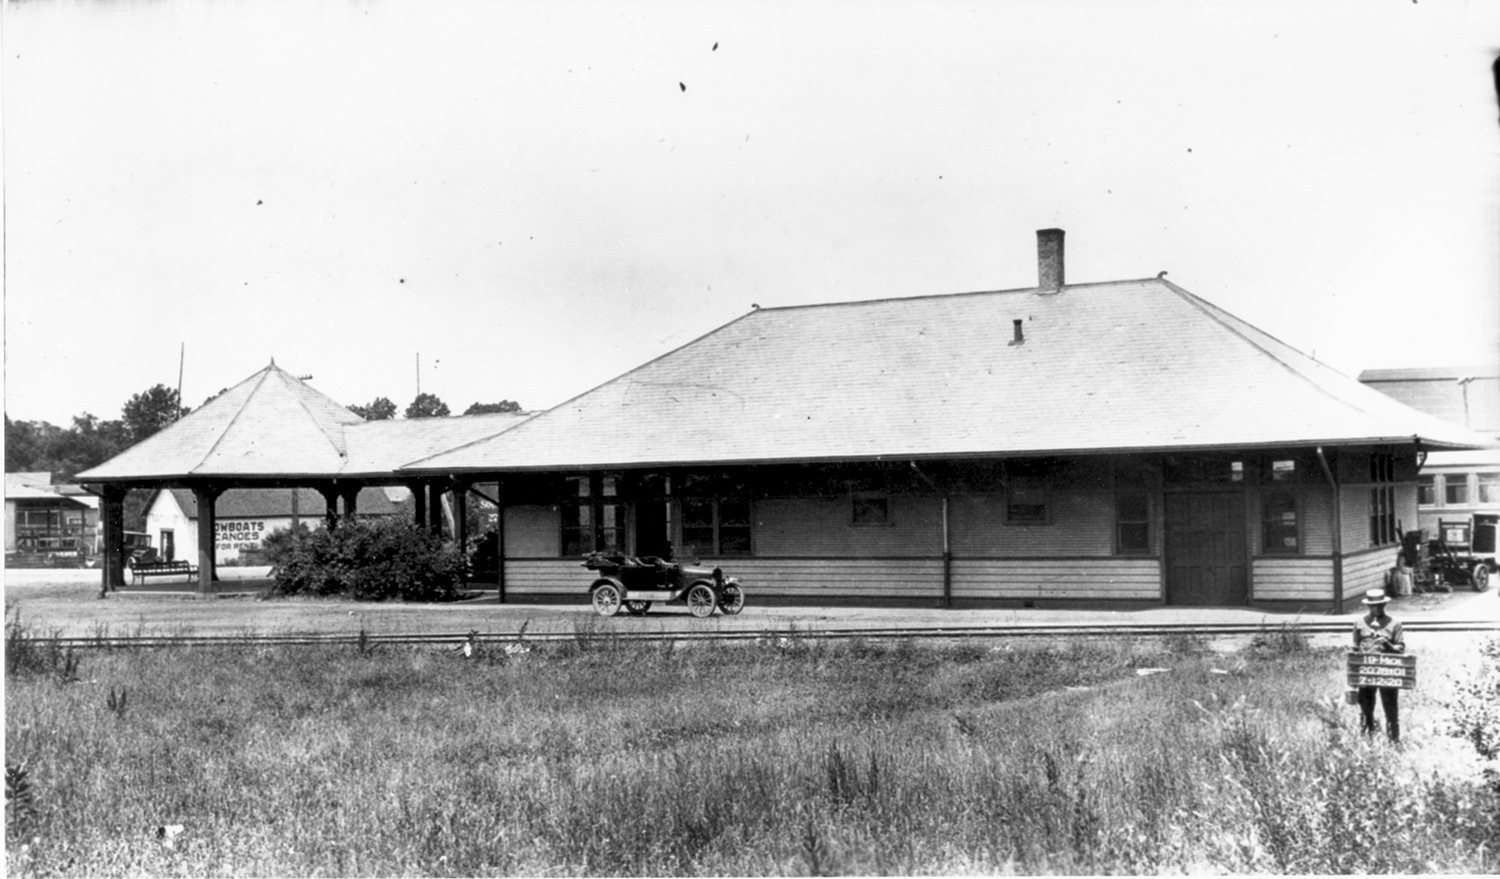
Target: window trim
{"points": [[1458, 481], [717, 525], [595, 499], [1010, 505], [858, 495], [1430, 485], [1119, 544], [1266, 524], [1481, 484]]}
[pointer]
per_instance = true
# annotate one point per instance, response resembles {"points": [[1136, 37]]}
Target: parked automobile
{"points": [[634, 583], [1462, 553]]}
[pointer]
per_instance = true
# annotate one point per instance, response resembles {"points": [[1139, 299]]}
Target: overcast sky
{"points": [[537, 197]]}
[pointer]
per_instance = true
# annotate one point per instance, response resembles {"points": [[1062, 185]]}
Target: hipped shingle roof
{"points": [[1120, 366], [273, 424]]}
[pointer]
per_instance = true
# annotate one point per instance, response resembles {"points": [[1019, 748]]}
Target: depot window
{"points": [[715, 526], [1278, 522], [593, 519], [1026, 503], [869, 508], [1383, 500], [1132, 522]]}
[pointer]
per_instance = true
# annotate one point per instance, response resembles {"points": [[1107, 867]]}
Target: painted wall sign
{"points": [[1383, 670], [238, 534]]}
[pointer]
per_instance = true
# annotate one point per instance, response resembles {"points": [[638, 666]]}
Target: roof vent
{"points": [[1020, 337], [1049, 260]]}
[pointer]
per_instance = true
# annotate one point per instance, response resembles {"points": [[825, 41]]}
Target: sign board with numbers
{"points": [[1383, 670]]}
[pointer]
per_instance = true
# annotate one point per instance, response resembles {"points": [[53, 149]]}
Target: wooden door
{"points": [[1205, 535], [652, 529]]}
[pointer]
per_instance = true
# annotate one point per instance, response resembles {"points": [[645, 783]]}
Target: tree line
{"points": [[427, 406], [36, 446]]}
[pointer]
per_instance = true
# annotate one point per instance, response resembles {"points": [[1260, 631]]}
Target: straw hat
{"points": [[1375, 596]]}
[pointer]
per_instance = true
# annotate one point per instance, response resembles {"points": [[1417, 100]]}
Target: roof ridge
{"points": [[337, 442], [1210, 310], [234, 418], [921, 296]]}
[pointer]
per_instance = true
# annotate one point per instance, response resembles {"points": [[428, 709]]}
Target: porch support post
{"points": [[435, 507], [1338, 534], [419, 502], [947, 557], [330, 493], [113, 516], [205, 495], [350, 494], [499, 546], [461, 521]]}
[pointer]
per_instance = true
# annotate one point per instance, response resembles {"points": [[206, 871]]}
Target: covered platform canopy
{"points": [[273, 430]]}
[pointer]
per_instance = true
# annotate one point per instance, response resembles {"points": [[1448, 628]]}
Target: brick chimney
{"points": [[1049, 259]]}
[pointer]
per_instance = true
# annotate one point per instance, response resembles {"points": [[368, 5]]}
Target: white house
{"points": [[246, 516]]}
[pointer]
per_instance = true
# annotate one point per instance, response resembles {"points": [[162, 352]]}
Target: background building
{"points": [[245, 517], [47, 523], [1451, 485]]}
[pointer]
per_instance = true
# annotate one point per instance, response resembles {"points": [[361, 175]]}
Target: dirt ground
{"points": [[66, 602]]}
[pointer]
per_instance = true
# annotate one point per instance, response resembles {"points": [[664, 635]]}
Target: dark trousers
{"points": [[1388, 702]]}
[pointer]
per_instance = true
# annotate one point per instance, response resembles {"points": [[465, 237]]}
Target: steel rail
{"points": [[791, 631]]}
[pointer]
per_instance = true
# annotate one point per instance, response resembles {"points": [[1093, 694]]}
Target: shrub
{"points": [[1476, 709], [367, 559]]}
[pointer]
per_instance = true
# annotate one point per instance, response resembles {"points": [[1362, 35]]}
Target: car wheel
{"points": [[1480, 577], [732, 599], [606, 600], [700, 600], [637, 608]]}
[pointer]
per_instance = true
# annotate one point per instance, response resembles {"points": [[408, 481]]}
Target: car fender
{"points": [[611, 581]]}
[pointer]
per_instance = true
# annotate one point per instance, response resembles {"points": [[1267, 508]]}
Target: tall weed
{"points": [[624, 759]]}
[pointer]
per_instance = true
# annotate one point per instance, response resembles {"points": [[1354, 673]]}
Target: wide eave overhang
{"points": [[418, 468]]}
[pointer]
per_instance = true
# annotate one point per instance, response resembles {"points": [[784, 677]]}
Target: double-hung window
{"points": [[1427, 490], [1383, 500], [1489, 488], [715, 526], [593, 518]]}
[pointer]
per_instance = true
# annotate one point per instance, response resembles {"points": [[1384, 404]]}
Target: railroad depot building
{"points": [[1118, 444]]}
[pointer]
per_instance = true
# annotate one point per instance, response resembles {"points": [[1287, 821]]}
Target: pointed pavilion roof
{"points": [[273, 425], [270, 424]]}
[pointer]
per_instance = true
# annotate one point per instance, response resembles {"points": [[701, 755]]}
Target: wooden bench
{"points": [[139, 571]]}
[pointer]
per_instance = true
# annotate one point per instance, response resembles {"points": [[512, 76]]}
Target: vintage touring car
{"points": [[634, 583]]}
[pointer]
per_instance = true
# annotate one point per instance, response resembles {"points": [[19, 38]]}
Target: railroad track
{"points": [[451, 639]]}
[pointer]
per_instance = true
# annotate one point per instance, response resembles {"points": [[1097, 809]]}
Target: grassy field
{"points": [[787, 756]]}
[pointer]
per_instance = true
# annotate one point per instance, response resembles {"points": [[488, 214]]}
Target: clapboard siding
{"points": [[1291, 578], [532, 530], [820, 526], [547, 577], [1366, 570], [1317, 522], [1108, 578], [1080, 523], [843, 578]]}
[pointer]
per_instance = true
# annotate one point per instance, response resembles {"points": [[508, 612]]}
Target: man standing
{"points": [[1376, 632]]}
